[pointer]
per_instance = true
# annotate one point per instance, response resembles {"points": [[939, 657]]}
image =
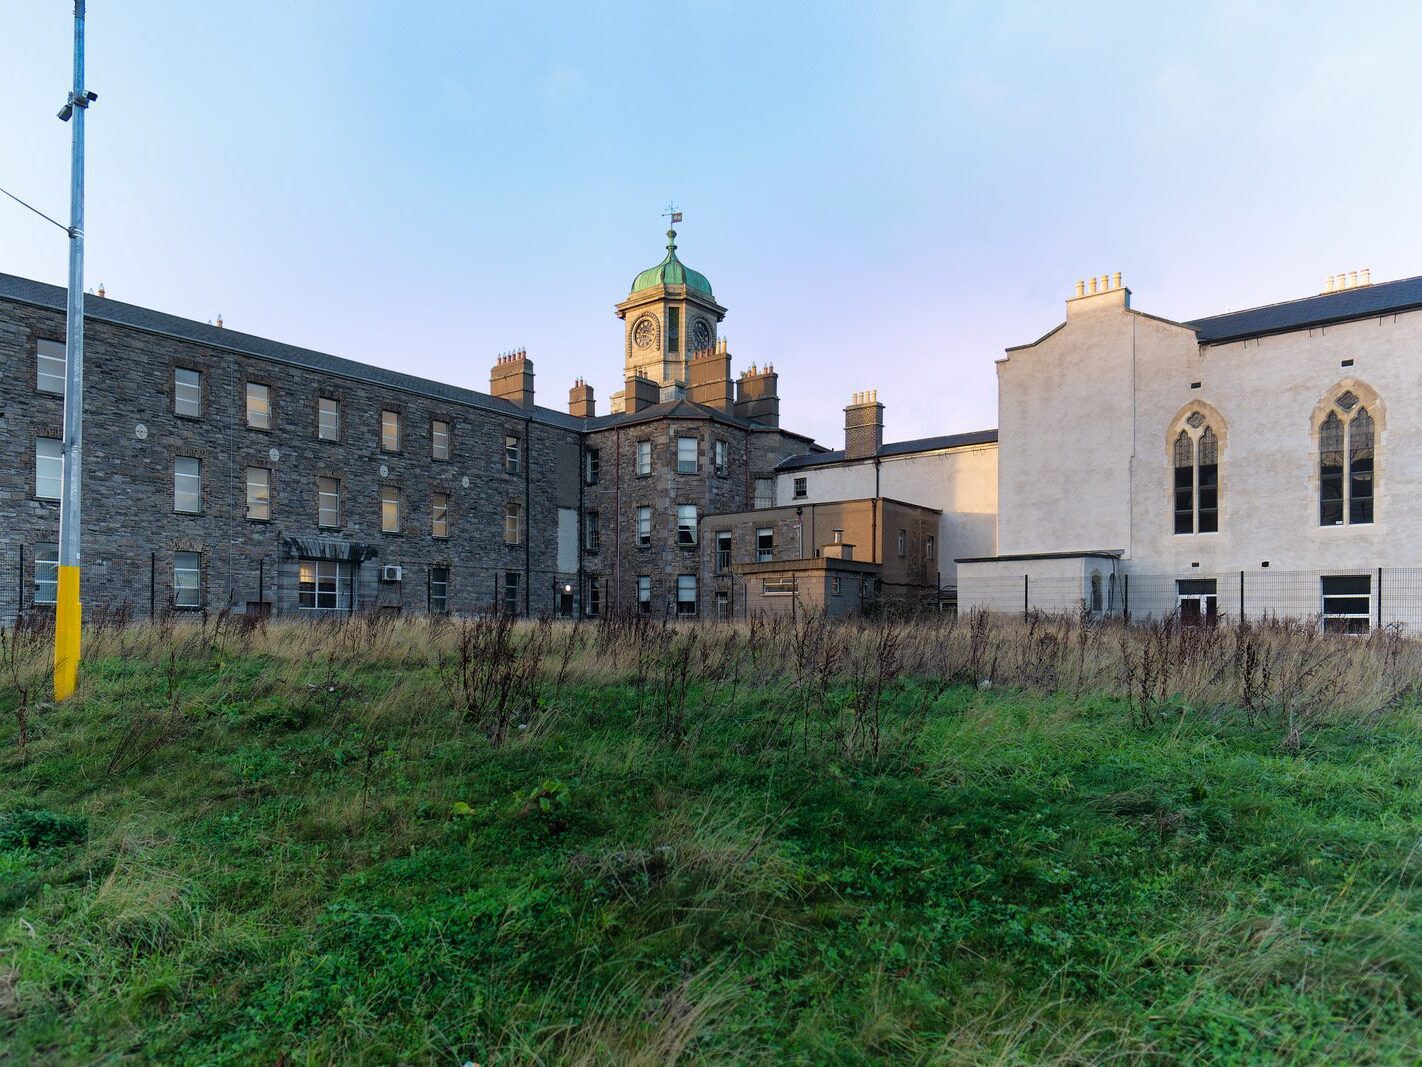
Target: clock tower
{"points": [[670, 314]]}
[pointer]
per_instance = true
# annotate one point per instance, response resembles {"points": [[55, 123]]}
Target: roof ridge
{"points": [[1371, 288]]}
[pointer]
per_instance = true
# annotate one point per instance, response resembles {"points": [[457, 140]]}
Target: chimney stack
{"points": [[580, 400], [758, 396], [640, 393], [709, 377], [863, 426], [512, 378]]}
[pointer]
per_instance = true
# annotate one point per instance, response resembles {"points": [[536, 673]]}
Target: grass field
{"points": [[635, 844]]}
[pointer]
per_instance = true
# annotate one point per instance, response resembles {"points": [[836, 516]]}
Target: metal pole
{"points": [[67, 608]]}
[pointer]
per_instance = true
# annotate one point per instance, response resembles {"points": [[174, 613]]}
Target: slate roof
{"points": [[1381, 298], [116, 312], [898, 448]]}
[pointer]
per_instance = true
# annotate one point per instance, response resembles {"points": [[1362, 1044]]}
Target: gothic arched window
{"points": [[1195, 456], [1347, 475]]}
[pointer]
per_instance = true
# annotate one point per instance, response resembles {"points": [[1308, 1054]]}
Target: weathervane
{"points": [[672, 213]]}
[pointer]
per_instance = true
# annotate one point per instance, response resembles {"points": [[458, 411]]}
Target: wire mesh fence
{"points": [[1345, 600]]}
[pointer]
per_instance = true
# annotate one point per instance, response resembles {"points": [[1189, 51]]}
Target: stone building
{"points": [[1252, 463], [223, 470]]}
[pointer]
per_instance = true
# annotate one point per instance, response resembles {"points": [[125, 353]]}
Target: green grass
{"points": [[276, 872]]}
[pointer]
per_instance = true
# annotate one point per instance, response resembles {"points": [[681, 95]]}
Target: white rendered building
{"points": [[1266, 461]]}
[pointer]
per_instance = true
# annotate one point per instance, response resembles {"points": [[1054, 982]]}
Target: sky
{"points": [[884, 196]]}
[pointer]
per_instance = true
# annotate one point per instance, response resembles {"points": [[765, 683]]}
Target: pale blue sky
{"points": [[884, 195]]}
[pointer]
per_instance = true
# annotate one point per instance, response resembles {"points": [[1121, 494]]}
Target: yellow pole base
{"points": [[66, 633]]}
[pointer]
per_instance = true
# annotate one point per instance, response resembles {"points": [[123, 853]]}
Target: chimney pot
{"points": [[1081, 287], [1367, 277], [1116, 280]]}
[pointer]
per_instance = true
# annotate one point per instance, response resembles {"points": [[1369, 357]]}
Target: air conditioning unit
{"points": [[392, 572]]}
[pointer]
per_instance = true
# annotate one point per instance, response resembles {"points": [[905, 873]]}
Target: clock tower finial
{"points": [[673, 216]]}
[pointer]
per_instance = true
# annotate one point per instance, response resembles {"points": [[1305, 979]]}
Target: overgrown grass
{"points": [[975, 843]]}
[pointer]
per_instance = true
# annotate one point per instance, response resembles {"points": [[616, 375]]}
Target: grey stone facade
{"points": [[133, 438]]}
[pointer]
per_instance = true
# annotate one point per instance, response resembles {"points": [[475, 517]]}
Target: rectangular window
{"points": [[1347, 603], [686, 594], [187, 484], [513, 523], [439, 515], [686, 458], [324, 585], [802, 488], [644, 594], [594, 466], [46, 574], [389, 509], [511, 592], [723, 551], [328, 419], [781, 585], [1330, 472], [187, 579], [259, 406], [328, 508], [439, 439], [644, 458], [259, 493], [723, 604], [903, 543], [49, 467], [765, 492], [390, 431], [722, 454], [49, 367], [686, 525], [187, 392], [765, 544], [644, 527], [928, 547], [513, 454], [594, 597], [836, 586], [592, 537], [439, 590], [1197, 601], [1209, 487]]}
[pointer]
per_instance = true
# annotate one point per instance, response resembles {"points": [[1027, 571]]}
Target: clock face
{"points": [[701, 334], [644, 334]]}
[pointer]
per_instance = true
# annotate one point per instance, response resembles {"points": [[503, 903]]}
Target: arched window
{"points": [[1347, 475], [1195, 456]]}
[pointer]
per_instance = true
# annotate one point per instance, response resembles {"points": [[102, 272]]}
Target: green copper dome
{"points": [[671, 271]]}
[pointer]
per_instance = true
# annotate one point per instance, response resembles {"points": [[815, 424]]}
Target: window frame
{"points": [[196, 587], [196, 476], [683, 582], [683, 465], [56, 460], [391, 428], [592, 466], [724, 547], [267, 485], [644, 457], [46, 555], [644, 525], [800, 488], [439, 515], [510, 593], [687, 533], [513, 522], [258, 414], [644, 585], [321, 421], [437, 603], [721, 458], [42, 358], [180, 387], [391, 505], [322, 492], [513, 454], [1341, 598], [331, 580], [440, 453], [592, 532], [765, 544]]}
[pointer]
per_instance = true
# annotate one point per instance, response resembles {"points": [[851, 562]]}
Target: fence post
{"points": [[1380, 598], [1026, 598], [1241, 596], [1125, 598], [152, 586]]}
